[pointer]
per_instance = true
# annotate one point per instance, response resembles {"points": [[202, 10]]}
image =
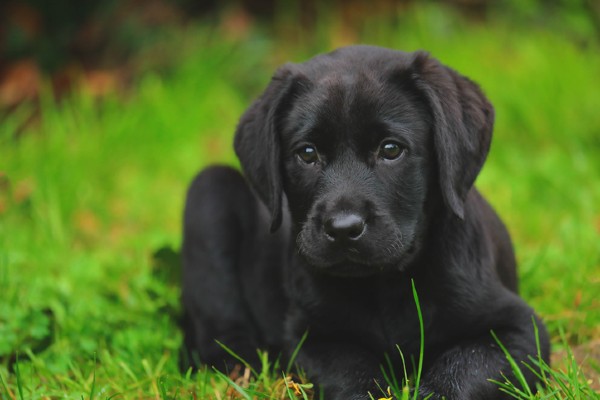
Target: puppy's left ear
{"points": [[463, 121], [257, 141]]}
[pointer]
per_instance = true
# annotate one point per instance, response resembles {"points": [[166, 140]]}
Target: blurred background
{"points": [[106, 44], [108, 109]]}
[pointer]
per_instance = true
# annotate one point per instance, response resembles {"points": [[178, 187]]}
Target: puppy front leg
{"points": [[344, 371], [464, 371]]}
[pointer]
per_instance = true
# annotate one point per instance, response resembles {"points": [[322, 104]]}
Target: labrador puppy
{"points": [[358, 182]]}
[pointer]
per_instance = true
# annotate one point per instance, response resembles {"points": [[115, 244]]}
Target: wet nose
{"points": [[344, 227]]}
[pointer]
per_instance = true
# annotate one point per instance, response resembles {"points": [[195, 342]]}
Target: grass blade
{"points": [[93, 380], [237, 357], [514, 366], [392, 380], [295, 352], [5, 388], [163, 390], [422, 345], [204, 383], [287, 387], [18, 375], [538, 347], [234, 385], [403, 365]]}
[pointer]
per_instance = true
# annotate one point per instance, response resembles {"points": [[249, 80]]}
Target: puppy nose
{"points": [[344, 227]]}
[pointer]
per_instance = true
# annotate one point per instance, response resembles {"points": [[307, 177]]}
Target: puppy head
{"points": [[356, 139]]}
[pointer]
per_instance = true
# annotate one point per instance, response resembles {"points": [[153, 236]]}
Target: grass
{"points": [[402, 390], [555, 383], [91, 198]]}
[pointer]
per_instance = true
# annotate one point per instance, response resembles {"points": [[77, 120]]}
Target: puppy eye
{"points": [[308, 154], [390, 150]]}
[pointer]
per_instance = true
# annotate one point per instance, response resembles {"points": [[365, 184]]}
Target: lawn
{"points": [[91, 197]]}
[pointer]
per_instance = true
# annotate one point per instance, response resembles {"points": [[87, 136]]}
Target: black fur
{"points": [[351, 229]]}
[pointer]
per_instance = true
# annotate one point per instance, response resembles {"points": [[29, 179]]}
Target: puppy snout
{"points": [[344, 227]]}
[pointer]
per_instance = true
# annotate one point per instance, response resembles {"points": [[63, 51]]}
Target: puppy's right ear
{"points": [[463, 124], [257, 141]]}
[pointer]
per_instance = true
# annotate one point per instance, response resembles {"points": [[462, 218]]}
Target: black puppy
{"points": [[359, 168]]}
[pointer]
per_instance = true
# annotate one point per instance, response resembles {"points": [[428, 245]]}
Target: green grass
{"points": [[91, 199]]}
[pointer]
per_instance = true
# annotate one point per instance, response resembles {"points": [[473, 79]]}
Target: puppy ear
{"points": [[257, 142], [463, 121]]}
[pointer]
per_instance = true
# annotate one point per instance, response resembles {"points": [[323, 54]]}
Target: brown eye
{"points": [[390, 150], [308, 154]]}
